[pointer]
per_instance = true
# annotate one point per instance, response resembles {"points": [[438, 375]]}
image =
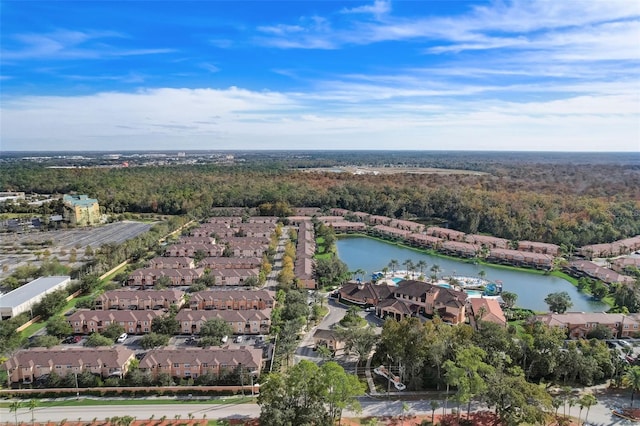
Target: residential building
{"points": [[521, 258], [234, 277], [190, 250], [193, 362], [242, 322], [536, 247], [148, 277], [445, 233], [390, 231], [87, 321], [459, 249], [26, 366], [231, 263], [232, 300], [585, 268], [139, 299], [487, 241], [167, 262], [578, 324]]}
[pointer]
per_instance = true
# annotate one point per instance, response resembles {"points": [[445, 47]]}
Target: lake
{"points": [[372, 255]]}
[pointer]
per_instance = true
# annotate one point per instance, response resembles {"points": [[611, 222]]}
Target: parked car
{"points": [[122, 338], [225, 339], [239, 339]]}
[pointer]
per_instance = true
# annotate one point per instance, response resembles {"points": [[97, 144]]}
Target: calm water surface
{"points": [[372, 255]]}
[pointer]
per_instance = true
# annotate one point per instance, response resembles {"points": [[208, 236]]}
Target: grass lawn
{"points": [[102, 401]]}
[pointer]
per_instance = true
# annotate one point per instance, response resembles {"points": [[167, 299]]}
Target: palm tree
{"points": [[572, 402], [32, 404], [393, 264], [434, 407], [408, 264], [482, 274], [421, 265], [435, 269], [14, 407], [587, 400], [632, 379]]}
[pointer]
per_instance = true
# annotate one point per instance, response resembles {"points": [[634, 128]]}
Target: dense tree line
{"points": [[495, 365], [569, 204]]}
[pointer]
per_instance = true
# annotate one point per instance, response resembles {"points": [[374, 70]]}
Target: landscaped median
{"points": [[168, 391]]}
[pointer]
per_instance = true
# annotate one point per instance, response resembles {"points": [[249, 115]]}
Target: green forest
{"points": [[570, 204]]}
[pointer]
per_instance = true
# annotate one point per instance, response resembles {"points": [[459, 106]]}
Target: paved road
{"points": [[599, 415]]}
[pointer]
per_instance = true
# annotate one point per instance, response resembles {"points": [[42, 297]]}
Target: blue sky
{"points": [[452, 75]]}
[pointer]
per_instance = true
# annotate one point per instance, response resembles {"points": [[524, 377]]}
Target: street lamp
{"points": [[241, 381], [77, 389]]}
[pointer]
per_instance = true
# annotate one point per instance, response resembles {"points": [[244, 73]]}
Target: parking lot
{"points": [[14, 250]]}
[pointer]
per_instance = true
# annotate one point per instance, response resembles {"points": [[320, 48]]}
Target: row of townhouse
{"points": [[27, 366], [148, 277], [415, 233], [87, 321], [521, 258], [305, 250], [586, 268], [167, 262], [622, 264], [184, 277], [408, 298], [194, 362], [190, 250], [578, 324], [616, 248], [139, 299], [242, 322], [126, 299], [232, 300]]}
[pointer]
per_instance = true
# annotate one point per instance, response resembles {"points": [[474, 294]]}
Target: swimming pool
{"points": [[397, 280]]}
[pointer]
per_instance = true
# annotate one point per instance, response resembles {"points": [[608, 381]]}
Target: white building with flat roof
{"points": [[24, 298]]}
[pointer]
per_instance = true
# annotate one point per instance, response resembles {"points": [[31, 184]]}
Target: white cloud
{"points": [[209, 67], [235, 118], [64, 44], [377, 9]]}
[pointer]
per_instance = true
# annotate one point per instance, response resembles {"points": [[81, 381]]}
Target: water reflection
{"points": [[372, 255]]}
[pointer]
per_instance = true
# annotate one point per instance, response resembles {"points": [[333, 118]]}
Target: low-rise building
{"points": [[232, 299], [445, 233], [242, 322], [537, 247], [87, 321], [24, 298], [26, 366], [483, 309], [521, 258], [148, 277], [139, 299], [365, 293], [166, 262], [411, 298], [328, 338], [230, 262], [459, 249], [193, 362], [578, 324]]}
